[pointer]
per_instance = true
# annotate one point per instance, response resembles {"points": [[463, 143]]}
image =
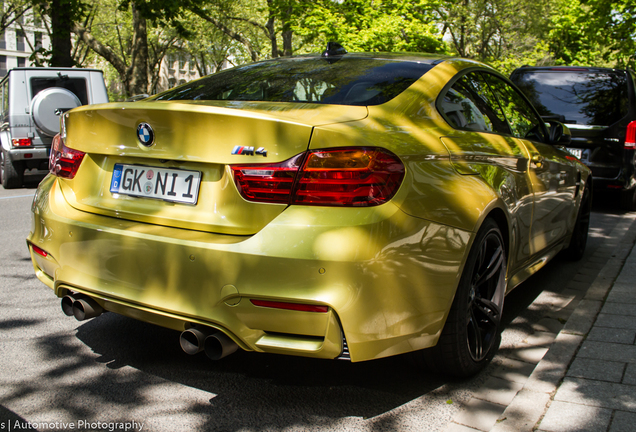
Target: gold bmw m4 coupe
{"points": [[337, 206]]}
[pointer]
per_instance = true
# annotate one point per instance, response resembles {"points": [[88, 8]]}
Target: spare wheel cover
{"points": [[45, 104]]}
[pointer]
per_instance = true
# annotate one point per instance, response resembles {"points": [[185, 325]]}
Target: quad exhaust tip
{"points": [[215, 343], [81, 306]]}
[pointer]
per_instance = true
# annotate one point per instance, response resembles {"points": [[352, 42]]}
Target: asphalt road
{"points": [[113, 372]]}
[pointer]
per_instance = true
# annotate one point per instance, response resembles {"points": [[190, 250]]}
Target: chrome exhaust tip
{"points": [[68, 301], [193, 339], [67, 305], [219, 345], [86, 308]]}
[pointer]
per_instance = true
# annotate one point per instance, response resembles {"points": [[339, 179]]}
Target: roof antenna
{"points": [[334, 49]]}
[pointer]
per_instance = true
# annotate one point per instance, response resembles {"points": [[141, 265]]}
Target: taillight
{"points": [[64, 161], [271, 183], [22, 142], [630, 137], [350, 177]]}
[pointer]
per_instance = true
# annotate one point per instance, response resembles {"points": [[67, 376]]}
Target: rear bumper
{"points": [[613, 177], [29, 153], [387, 278]]}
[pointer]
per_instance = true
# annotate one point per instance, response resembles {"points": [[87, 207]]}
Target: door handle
{"points": [[537, 160]]}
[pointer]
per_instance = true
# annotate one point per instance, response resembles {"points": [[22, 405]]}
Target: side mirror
{"points": [[559, 133]]}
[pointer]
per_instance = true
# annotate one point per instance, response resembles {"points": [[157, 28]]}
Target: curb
{"points": [[529, 405]]}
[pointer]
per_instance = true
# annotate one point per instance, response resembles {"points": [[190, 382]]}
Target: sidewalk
{"points": [[584, 377]]}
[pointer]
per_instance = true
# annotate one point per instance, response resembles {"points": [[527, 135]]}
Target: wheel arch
{"points": [[500, 218]]}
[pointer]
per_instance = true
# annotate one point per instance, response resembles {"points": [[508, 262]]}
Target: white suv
{"points": [[32, 101]]}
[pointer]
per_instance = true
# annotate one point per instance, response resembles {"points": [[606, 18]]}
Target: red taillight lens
{"points": [[64, 161], [630, 137], [349, 177], [22, 142], [336, 177], [271, 183]]}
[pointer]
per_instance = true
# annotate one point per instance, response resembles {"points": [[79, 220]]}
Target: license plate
{"points": [[575, 152], [175, 185]]}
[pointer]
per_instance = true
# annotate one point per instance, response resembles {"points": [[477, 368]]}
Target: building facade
{"points": [[24, 36]]}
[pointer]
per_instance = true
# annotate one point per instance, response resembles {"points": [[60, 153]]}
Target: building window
{"points": [[38, 41], [3, 41], [192, 64], [172, 82], [21, 62], [3, 65], [181, 63], [19, 39], [171, 60]]}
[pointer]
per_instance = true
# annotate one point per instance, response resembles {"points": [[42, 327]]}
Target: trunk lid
{"points": [[189, 138]]}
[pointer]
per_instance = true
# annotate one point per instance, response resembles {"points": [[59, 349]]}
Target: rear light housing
{"points": [[64, 161], [630, 137], [22, 142], [343, 177]]}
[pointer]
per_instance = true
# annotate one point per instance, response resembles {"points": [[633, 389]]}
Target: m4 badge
{"points": [[244, 150]]}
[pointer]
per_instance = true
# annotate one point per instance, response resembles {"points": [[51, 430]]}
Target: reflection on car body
{"points": [[400, 198]]}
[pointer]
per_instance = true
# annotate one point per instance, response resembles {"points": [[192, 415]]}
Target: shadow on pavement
{"points": [[304, 388]]}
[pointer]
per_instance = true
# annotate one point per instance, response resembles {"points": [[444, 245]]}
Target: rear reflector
{"points": [[21, 142], [630, 137], [39, 251], [64, 161], [348, 177], [290, 306]]}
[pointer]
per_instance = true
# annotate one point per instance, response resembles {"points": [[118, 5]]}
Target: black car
{"points": [[599, 107]]}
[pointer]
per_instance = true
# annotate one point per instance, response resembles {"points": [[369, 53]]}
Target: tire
{"points": [[471, 335], [628, 199], [11, 175], [576, 249]]}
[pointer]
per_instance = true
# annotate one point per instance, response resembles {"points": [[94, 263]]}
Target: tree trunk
{"points": [[287, 32], [61, 23], [138, 82]]}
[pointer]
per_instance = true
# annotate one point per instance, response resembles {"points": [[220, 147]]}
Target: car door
{"points": [[554, 178], [482, 144]]}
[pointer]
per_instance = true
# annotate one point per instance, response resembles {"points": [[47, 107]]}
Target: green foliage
{"points": [[504, 33], [379, 25]]}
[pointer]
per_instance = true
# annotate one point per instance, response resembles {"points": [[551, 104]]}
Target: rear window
{"points": [[75, 85], [344, 81], [577, 97]]}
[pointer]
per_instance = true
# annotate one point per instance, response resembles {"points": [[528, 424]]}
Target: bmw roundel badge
{"points": [[145, 134]]}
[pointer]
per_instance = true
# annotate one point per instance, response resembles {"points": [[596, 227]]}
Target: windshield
{"points": [[344, 81], [577, 97]]}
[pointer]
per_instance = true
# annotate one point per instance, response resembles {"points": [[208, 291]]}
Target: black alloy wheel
{"points": [[471, 334], [485, 298]]}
